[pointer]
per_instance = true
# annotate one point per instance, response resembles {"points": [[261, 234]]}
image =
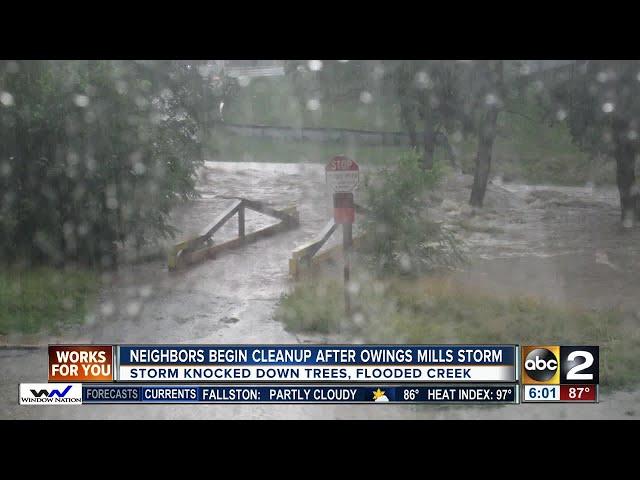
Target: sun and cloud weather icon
{"points": [[379, 396]]}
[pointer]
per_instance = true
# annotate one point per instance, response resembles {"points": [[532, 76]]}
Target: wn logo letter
{"points": [[50, 394]]}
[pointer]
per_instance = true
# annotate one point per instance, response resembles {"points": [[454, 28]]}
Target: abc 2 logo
{"points": [[556, 365]]}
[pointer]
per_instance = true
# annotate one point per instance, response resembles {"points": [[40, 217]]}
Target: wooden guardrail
{"points": [[305, 260], [201, 247]]}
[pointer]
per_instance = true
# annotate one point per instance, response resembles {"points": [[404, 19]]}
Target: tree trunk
{"points": [[443, 141], [486, 138], [413, 136], [483, 157], [625, 177], [429, 144], [409, 124]]}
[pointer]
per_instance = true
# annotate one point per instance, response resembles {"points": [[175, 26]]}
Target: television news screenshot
{"points": [[319, 239]]}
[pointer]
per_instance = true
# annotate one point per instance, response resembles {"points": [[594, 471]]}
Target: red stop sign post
{"points": [[343, 175], [344, 211]]}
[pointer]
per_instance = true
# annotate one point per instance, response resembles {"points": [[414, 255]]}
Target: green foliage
{"points": [[529, 147], [599, 104], [235, 148], [330, 80], [279, 101], [425, 96], [404, 239], [93, 153], [532, 148], [44, 299], [428, 89], [314, 308]]}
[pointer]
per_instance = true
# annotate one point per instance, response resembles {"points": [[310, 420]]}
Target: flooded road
{"points": [[560, 243], [563, 244]]}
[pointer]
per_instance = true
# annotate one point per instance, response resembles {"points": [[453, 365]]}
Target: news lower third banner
{"points": [[284, 363], [87, 374]]}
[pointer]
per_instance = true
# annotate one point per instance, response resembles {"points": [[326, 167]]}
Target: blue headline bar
{"points": [[317, 354]]}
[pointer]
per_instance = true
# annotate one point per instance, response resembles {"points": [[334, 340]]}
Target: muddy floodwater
{"points": [[560, 243]]}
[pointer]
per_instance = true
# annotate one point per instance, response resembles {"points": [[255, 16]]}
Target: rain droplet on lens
{"points": [[133, 308], [313, 104], [366, 97], [107, 309], [423, 80], [81, 100], [353, 288], [145, 290], [608, 107], [405, 262], [6, 99], [315, 65], [491, 99]]}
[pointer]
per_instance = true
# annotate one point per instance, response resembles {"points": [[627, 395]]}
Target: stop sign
{"points": [[342, 174]]}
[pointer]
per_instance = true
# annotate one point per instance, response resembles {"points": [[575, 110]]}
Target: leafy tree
{"points": [[430, 99], [601, 104], [427, 92], [93, 153], [486, 99], [404, 239], [329, 80]]}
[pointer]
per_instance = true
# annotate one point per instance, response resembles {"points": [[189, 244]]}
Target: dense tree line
{"points": [[600, 100], [601, 104], [96, 153], [434, 97], [93, 153]]}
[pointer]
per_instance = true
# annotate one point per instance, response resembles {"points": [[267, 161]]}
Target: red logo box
{"points": [[80, 363]]}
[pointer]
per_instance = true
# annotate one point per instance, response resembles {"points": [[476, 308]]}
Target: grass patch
{"points": [[435, 309], [44, 299], [271, 101], [234, 148], [529, 150]]}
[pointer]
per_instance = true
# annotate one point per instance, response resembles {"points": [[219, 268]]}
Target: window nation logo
{"points": [[50, 394]]}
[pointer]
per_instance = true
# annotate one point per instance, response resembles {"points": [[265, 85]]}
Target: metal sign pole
{"points": [[347, 242], [342, 175]]}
